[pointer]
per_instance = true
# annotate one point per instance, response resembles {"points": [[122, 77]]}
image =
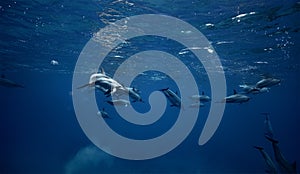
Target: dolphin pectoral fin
{"points": [[258, 147], [234, 92], [86, 85]]}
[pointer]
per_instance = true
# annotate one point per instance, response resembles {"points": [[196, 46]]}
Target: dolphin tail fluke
{"points": [[164, 89], [86, 85], [271, 139], [258, 147]]}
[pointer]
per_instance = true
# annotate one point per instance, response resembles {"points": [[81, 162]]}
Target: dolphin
{"points": [[236, 98], [9, 83], [253, 89], [267, 82], [268, 126], [271, 168], [201, 98], [282, 162], [172, 97], [103, 82], [119, 102], [103, 114]]}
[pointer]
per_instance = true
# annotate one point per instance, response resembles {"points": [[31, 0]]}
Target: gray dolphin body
{"points": [[267, 82], [172, 97], [253, 89], [285, 166], [271, 168], [10, 84], [103, 82], [236, 98], [268, 126]]}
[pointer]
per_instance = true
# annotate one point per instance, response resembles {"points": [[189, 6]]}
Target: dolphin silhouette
{"points": [[267, 82], [268, 126], [201, 98], [172, 97], [282, 162], [253, 89], [103, 82], [236, 98], [271, 168]]}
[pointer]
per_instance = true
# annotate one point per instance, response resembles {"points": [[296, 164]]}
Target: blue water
{"points": [[38, 126]]}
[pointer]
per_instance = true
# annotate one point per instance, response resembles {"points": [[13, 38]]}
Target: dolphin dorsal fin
{"points": [[234, 91], [102, 71], [202, 93], [165, 89]]}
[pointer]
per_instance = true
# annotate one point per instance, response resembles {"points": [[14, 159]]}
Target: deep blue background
{"points": [[38, 127]]}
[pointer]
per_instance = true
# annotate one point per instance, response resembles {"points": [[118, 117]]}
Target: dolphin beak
{"points": [[84, 86]]}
